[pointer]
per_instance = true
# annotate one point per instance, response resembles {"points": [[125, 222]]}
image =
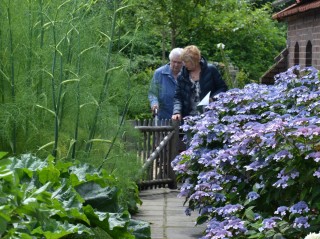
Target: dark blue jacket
{"points": [[210, 80], [161, 92]]}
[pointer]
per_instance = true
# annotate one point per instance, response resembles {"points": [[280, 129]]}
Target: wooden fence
{"points": [[158, 146]]}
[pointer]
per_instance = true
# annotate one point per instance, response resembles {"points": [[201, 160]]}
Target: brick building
{"points": [[303, 38]]}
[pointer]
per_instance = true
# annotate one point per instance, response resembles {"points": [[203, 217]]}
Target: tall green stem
{"points": [[56, 100], [103, 93], [124, 113], [68, 42], [1, 60], [29, 62], [56, 118], [59, 105], [76, 130], [39, 84], [13, 94]]}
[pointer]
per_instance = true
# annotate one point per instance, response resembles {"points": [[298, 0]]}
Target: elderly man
{"points": [[163, 85]]}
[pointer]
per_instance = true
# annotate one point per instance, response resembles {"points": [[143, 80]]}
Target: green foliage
{"points": [[70, 87], [242, 78], [251, 37], [138, 73], [70, 71], [73, 65], [65, 73], [41, 200]]}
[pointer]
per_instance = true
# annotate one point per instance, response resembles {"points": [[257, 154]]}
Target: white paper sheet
{"points": [[205, 100]]}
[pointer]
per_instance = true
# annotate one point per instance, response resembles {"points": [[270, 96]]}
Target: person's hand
{"points": [[176, 117]]}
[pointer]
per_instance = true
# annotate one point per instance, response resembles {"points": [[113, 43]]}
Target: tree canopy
{"points": [[251, 37]]}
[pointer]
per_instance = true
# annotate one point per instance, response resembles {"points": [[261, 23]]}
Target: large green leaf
{"points": [[68, 196], [8, 176], [140, 229], [49, 174], [20, 235], [249, 213], [3, 154], [116, 224], [5, 173], [103, 199], [42, 201], [4, 219], [28, 161], [118, 220], [69, 203], [55, 229], [202, 219], [28, 164], [81, 172], [98, 219]]}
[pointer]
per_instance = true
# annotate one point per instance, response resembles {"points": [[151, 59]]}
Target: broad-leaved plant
{"points": [[41, 199]]}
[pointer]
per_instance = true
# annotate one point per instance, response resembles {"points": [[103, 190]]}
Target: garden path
{"points": [[165, 212]]}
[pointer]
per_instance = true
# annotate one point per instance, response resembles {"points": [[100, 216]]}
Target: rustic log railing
{"points": [[157, 147]]}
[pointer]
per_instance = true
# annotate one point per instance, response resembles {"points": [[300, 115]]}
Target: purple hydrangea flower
{"points": [[257, 216], [188, 211], [252, 196], [299, 208], [185, 189], [224, 229], [315, 156], [285, 177], [294, 174], [216, 230], [317, 173], [235, 224], [198, 195], [301, 222], [269, 223], [209, 176], [219, 197], [228, 209], [282, 155], [256, 165], [282, 210]]}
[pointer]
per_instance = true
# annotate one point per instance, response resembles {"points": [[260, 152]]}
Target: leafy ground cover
{"points": [[252, 165], [43, 199]]}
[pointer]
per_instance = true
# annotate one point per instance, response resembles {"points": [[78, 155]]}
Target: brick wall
{"points": [[301, 29]]}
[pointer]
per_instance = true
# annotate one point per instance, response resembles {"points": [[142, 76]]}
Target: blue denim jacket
{"points": [[161, 92]]}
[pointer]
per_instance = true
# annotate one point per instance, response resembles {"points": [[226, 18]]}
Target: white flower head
{"points": [[313, 236], [220, 46]]}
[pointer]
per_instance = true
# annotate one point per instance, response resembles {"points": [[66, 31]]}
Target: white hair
{"points": [[175, 52]]}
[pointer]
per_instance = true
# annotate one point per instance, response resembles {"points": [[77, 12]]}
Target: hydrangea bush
{"points": [[252, 167]]}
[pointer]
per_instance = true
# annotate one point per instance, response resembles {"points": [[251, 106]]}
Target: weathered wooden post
{"points": [[174, 152]]}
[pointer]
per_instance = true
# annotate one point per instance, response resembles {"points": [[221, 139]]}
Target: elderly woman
{"points": [[196, 80]]}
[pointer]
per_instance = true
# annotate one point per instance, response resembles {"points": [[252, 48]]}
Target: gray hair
{"points": [[175, 52]]}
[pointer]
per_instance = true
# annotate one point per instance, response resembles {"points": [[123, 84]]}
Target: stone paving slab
{"points": [[165, 213]]}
